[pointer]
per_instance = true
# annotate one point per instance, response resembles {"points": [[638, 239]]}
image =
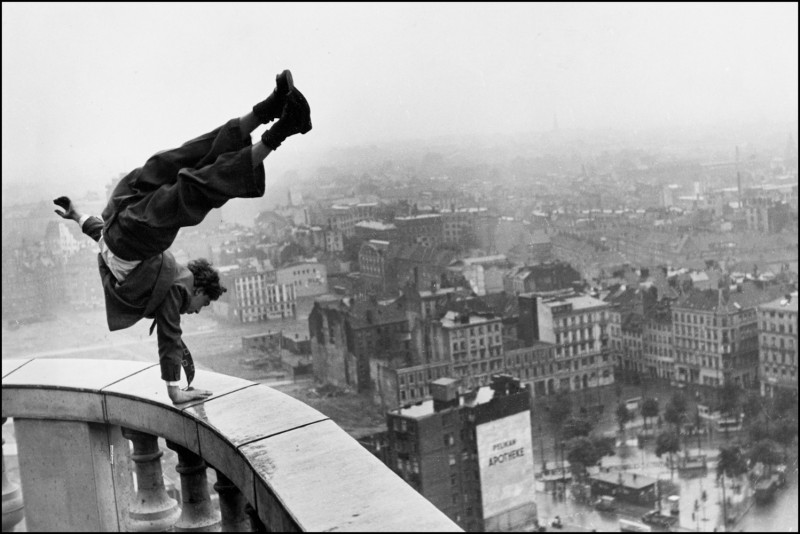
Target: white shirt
{"points": [[119, 267]]}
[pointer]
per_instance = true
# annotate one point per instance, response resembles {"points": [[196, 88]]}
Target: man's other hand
{"points": [[66, 204]]}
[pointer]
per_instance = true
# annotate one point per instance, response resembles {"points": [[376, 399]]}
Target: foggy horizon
{"points": [[90, 91]]}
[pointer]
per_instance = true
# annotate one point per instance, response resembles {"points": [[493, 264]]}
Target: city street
{"points": [[771, 517], [218, 347]]}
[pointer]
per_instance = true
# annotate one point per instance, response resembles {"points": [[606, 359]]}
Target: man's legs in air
{"points": [[177, 188]]}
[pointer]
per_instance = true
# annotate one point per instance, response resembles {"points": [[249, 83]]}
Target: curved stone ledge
{"points": [[289, 460]]}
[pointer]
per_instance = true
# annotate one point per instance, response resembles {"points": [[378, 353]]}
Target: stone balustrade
{"points": [[84, 428]]}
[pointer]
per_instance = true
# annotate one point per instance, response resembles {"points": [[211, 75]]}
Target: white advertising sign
{"points": [[505, 456]]}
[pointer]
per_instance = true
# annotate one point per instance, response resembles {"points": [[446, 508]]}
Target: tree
{"points": [[757, 428], [730, 399], [752, 406], [576, 426], [623, 416], [672, 415], [785, 402], [668, 442], [560, 409], [785, 433], [678, 400], [649, 409], [585, 451], [731, 462]]}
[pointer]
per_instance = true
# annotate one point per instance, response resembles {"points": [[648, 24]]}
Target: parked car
{"points": [[605, 503], [655, 517]]}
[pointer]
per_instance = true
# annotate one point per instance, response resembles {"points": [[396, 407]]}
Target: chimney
{"points": [[445, 393]]}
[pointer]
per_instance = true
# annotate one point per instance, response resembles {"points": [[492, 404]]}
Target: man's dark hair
{"points": [[206, 278]]}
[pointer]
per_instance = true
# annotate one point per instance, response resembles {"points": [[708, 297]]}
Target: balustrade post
{"points": [[256, 525], [231, 505], [197, 513], [152, 509], [13, 506]]}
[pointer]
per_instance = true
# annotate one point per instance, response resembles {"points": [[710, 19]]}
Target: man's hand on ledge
{"points": [[179, 396]]}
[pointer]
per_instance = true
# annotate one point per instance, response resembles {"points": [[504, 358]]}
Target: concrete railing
{"points": [[83, 427]]}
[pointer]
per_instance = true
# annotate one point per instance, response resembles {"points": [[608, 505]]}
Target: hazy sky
{"points": [[92, 90]]}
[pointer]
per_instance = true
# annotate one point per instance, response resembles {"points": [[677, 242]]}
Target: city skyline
{"points": [[88, 98]]}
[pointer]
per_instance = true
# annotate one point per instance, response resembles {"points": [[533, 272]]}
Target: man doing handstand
{"points": [[177, 188]]}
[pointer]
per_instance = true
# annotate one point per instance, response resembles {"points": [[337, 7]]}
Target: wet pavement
{"points": [[777, 516], [696, 514]]}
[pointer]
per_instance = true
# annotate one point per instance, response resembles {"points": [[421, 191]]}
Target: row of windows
{"points": [[476, 354], [773, 342], [702, 346], [572, 336], [432, 374], [479, 330], [575, 350], [462, 345], [783, 371], [680, 317], [789, 328], [575, 320], [765, 357]]}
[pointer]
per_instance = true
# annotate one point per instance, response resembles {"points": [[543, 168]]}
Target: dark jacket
{"points": [[158, 288]]}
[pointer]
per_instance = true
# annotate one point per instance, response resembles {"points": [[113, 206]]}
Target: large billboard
{"points": [[505, 457]]}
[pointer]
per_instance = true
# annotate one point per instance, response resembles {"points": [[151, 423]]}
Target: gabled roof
{"points": [[750, 296]]}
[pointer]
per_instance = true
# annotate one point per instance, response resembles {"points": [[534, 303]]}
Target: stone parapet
{"points": [[296, 469]]}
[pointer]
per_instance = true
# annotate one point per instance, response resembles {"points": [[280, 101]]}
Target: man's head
{"points": [[206, 285]]}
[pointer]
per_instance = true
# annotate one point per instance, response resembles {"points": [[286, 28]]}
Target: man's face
{"points": [[198, 302]]}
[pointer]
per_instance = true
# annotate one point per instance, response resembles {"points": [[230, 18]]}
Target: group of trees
{"points": [[668, 441], [581, 448], [769, 424]]}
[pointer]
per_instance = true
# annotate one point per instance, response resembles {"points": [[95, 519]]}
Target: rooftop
{"points": [[624, 478], [452, 319], [782, 304], [416, 217], [485, 259], [423, 409], [749, 297], [375, 225], [579, 302]]}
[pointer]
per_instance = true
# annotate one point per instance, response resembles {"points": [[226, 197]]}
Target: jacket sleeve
{"points": [[170, 345], [93, 227]]}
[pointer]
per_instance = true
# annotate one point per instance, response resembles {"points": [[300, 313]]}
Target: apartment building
{"points": [[470, 454], [254, 295], [777, 331], [576, 327], [308, 278], [716, 334], [352, 342], [426, 229], [472, 342]]}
